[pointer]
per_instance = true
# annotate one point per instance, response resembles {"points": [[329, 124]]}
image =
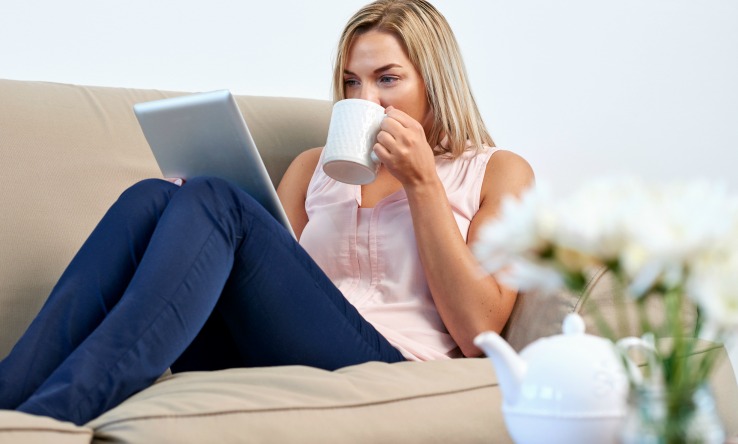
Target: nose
{"points": [[369, 93]]}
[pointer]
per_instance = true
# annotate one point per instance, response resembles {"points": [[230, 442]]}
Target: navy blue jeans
{"points": [[193, 278]]}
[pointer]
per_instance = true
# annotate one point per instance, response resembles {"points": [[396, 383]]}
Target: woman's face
{"points": [[379, 70]]}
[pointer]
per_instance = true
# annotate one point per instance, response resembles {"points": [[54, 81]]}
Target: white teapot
{"points": [[568, 388]]}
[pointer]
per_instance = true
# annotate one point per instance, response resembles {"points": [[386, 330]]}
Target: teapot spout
{"points": [[509, 366]]}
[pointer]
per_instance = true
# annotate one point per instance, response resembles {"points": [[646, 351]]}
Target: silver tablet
{"points": [[204, 134]]}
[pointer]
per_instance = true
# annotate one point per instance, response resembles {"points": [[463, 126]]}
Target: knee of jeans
{"points": [[214, 192], [209, 182], [138, 195], [147, 187], [211, 189]]}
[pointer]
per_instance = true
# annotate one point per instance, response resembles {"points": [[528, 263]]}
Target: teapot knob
{"points": [[573, 324]]}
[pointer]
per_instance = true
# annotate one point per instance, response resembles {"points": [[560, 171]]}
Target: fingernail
{"points": [[178, 182]]}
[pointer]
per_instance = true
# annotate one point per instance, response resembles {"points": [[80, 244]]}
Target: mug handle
{"points": [[374, 157]]}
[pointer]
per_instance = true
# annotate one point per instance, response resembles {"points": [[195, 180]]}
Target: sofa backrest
{"points": [[67, 152], [538, 314]]}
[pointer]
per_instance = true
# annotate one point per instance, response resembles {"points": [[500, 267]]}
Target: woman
{"points": [[200, 277]]}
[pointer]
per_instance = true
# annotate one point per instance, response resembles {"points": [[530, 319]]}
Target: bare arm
{"points": [[468, 300], [292, 189]]}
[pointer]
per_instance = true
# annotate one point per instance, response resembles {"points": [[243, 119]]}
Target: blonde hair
{"points": [[432, 48]]}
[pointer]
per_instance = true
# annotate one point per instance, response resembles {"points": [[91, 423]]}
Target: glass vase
{"points": [[659, 416]]}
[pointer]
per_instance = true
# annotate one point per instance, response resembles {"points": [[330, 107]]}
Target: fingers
{"points": [[393, 133], [381, 152], [389, 141], [385, 138], [396, 115], [399, 134]]}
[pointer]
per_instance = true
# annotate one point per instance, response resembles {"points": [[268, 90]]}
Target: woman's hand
{"points": [[404, 150]]}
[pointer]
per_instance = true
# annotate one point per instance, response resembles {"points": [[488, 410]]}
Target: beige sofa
{"points": [[66, 152]]}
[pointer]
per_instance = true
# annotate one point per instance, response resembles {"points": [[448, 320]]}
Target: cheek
{"points": [[409, 101], [419, 108], [420, 102]]}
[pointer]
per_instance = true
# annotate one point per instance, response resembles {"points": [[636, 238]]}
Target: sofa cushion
{"points": [[374, 402], [16, 427], [68, 151], [539, 314]]}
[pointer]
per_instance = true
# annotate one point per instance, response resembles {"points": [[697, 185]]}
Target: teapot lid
{"points": [[573, 325]]}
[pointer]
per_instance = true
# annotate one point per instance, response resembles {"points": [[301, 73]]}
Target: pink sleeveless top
{"points": [[371, 254]]}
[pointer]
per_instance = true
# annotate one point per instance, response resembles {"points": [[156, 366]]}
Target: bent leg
{"points": [[87, 290], [208, 225], [170, 296], [279, 308]]}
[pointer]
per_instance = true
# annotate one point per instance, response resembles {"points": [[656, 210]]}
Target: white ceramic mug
{"points": [[348, 156]]}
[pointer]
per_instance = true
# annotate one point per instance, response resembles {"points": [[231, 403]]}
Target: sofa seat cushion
{"points": [[439, 401], [16, 427]]}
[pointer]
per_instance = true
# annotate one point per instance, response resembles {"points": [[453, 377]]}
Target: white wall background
{"points": [[581, 88]]}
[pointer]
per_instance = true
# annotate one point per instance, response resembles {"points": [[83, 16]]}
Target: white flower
{"points": [[663, 241], [669, 235], [526, 276], [681, 222], [516, 232], [674, 223], [593, 219], [713, 285]]}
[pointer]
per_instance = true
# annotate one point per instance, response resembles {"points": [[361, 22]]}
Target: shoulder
{"points": [[506, 173], [292, 189], [503, 161], [308, 159], [301, 170]]}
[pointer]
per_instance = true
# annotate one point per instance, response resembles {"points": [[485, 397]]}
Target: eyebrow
{"points": [[378, 70]]}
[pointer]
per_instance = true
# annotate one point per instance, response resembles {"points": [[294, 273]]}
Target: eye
{"points": [[350, 83], [388, 80]]}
